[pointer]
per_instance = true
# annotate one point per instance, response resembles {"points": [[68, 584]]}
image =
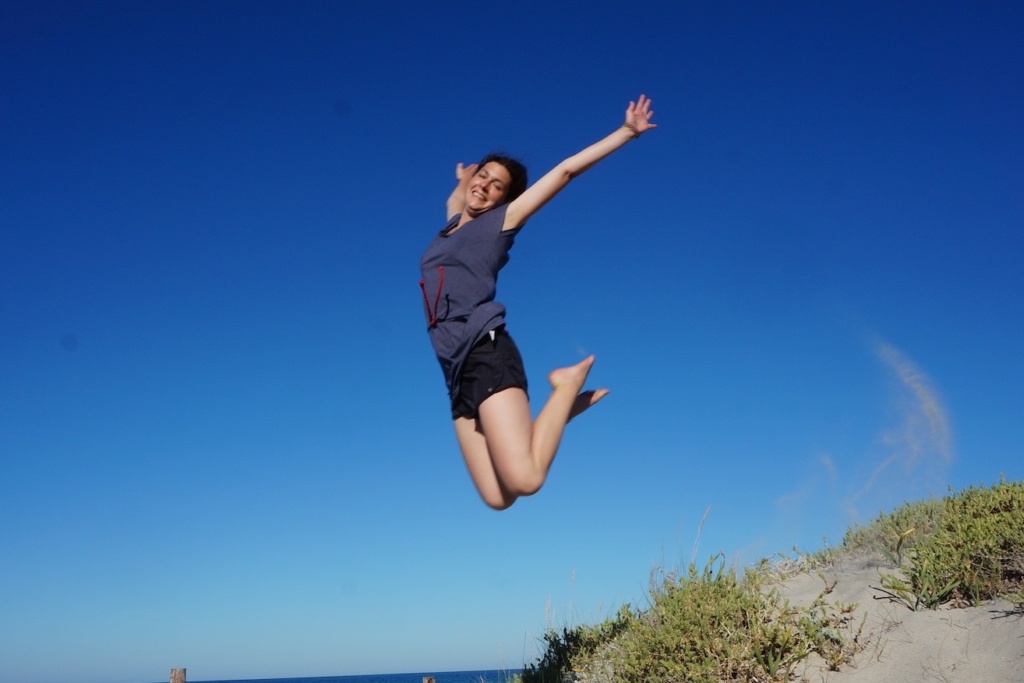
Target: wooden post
{"points": [[177, 676]]}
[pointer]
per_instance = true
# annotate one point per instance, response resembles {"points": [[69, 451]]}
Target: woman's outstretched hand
{"points": [[638, 116], [457, 199]]}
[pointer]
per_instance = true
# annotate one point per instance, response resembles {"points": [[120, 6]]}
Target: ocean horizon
{"points": [[481, 676]]}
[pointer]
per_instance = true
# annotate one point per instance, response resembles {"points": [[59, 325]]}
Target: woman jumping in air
{"points": [[508, 454]]}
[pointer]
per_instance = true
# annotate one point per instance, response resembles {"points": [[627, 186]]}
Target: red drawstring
{"points": [[432, 316]]}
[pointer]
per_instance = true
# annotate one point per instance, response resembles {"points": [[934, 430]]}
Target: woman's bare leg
{"points": [[507, 454], [478, 461]]}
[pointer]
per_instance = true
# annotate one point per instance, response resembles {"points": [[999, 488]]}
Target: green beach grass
{"points": [[714, 625]]}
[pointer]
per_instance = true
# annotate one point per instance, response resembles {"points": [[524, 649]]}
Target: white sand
{"points": [[982, 644]]}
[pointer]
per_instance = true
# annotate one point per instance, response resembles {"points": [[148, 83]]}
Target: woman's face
{"points": [[487, 188]]}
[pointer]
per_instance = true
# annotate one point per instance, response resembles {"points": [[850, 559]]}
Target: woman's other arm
{"points": [[457, 199]]}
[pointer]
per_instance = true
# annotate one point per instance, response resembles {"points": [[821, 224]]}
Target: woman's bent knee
{"points": [[499, 505], [524, 485]]}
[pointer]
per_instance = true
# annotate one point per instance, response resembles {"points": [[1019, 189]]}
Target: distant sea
{"points": [[495, 676]]}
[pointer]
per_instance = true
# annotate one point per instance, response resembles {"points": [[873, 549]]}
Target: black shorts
{"points": [[492, 365]]}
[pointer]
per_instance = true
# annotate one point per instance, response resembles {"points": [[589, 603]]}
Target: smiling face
{"points": [[487, 188]]}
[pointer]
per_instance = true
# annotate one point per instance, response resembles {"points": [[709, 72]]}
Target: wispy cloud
{"points": [[906, 458], [829, 465], [917, 449], [810, 488], [924, 435]]}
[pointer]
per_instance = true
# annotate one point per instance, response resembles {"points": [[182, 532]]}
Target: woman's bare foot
{"points": [[585, 399], [572, 377]]}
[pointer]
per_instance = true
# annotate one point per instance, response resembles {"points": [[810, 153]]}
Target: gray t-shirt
{"points": [[460, 275]]}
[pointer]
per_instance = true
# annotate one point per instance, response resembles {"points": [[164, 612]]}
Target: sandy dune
{"points": [[982, 644]]}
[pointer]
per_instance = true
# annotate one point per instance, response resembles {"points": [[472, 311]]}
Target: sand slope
{"points": [[974, 645]]}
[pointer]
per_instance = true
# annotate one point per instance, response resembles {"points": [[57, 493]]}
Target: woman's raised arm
{"points": [[638, 121]]}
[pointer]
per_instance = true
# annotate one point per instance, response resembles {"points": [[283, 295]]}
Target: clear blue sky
{"points": [[224, 439]]}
